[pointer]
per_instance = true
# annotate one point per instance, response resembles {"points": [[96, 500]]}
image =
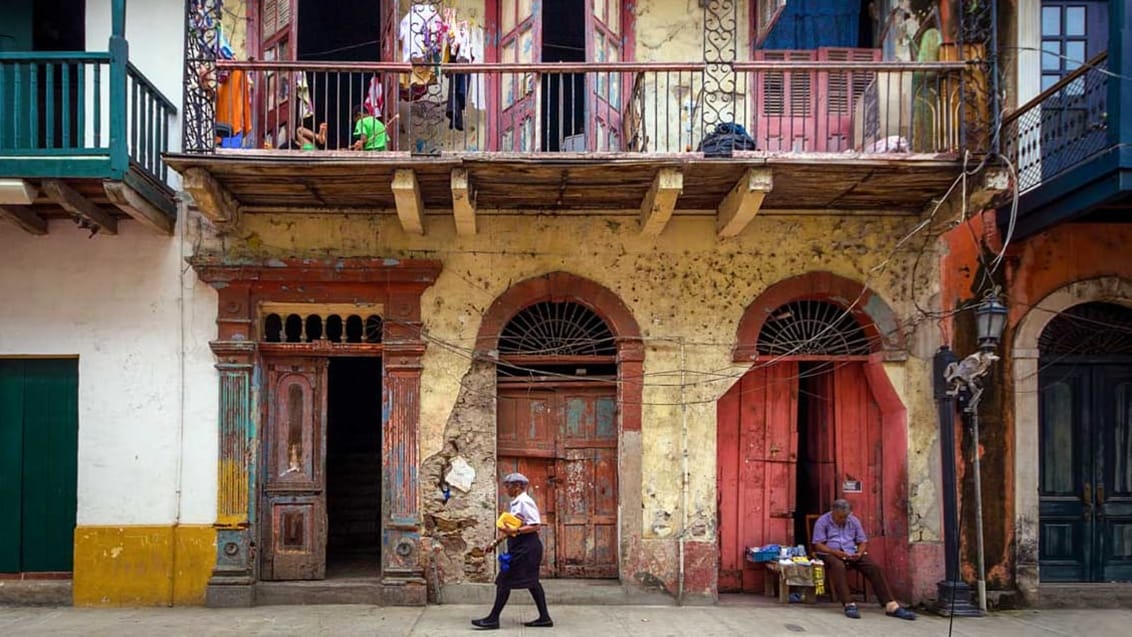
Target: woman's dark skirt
{"points": [[526, 556]]}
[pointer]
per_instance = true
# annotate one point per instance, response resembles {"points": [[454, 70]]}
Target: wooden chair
{"points": [[858, 585]]}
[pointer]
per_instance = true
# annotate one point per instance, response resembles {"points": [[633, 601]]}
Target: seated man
{"points": [[841, 542]]}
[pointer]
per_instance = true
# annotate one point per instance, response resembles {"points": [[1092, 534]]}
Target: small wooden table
{"points": [[780, 577]]}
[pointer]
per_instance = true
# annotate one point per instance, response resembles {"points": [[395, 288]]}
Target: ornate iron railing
{"points": [[644, 107], [1062, 127]]}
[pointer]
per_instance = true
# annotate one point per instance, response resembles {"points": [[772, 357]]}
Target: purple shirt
{"points": [[839, 538]]}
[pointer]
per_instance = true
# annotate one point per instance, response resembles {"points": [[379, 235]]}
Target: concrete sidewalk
{"points": [[730, 618]]}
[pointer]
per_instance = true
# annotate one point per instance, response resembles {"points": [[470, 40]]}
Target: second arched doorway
{"points": [[813, 420]]}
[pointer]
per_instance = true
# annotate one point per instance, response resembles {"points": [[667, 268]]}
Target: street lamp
{"points": [[963, 380], [990, 319]]}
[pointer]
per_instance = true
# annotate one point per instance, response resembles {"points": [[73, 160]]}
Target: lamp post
{"points": [[954, 379]]}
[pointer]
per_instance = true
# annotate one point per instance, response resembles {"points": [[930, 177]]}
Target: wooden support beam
{"points": [[660, 201], [25, 218], [212, 199], [17, 192], [407, 195], [463, 202], [741, 205], [76, 204], [132, 203]]}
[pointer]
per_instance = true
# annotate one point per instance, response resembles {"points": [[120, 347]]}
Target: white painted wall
{"points": [[140, 322], [155, 30]]}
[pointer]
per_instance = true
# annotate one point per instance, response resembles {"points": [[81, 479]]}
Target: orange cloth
{"points": [[234, 103]]}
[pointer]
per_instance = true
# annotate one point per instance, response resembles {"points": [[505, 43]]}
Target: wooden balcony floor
{"points": [[297, 181]]}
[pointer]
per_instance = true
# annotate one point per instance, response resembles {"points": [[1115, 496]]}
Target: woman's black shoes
{"points": [[485, 624], [540, 623]]}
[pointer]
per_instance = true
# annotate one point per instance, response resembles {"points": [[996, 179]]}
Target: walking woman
{"points": [[525, 548]]}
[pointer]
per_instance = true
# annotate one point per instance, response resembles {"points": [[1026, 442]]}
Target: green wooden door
{"points": [[38, 464], [1085, 473]]}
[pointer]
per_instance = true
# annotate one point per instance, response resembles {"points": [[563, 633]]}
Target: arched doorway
{"points": [[813, 420], [568, 415], [1085, 445]]}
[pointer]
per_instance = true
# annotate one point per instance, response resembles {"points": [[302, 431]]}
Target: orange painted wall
{"points": [[1033, 269]]}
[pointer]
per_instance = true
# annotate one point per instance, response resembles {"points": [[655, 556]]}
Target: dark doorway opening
{"points": [[342, 31], [564, 94], [816, 459], [353, 468]]}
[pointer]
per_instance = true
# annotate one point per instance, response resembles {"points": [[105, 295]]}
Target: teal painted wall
{"points": [[16, 26]]}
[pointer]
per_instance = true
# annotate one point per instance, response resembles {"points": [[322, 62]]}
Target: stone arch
{"points": [[1024, 358], [563, 286], [871, 311]]}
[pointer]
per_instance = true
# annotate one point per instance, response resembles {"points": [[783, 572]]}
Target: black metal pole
{"points": [[954, 596]]}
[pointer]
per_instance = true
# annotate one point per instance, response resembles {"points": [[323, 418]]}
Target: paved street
{"points": [[731, 618]]}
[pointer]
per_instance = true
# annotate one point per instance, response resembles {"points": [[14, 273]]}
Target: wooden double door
{"points": [[1085, 472], [565, 441], [779, 419]]}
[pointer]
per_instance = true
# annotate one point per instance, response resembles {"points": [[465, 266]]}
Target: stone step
{"points": [[35, 592], [1085, 595]]}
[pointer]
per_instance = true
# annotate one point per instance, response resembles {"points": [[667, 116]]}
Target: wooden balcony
{"points": [[1072, 151], [631, 137], [82, 136]]}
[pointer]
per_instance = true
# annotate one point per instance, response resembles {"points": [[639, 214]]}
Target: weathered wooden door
{"points": [[565, 442], [520, 41], [275, 98], [1085, 473], [39, 425], [294, 481], [756, 446], [859, 453], [603, 38]]}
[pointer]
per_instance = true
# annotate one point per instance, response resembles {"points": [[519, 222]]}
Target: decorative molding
{"points": [[407, 196], [212, 198], [741, 205]]}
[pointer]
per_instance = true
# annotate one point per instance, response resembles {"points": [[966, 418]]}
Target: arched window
{"points": [[1089, 329], [557, 328], [813, 328]]}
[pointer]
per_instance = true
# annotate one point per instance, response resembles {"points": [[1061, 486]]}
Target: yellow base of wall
{"points": [[143, 565]]}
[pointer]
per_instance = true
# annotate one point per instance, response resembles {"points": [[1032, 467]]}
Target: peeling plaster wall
{"points": [[684, 286]]}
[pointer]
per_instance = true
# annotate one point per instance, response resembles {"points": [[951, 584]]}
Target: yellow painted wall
{"points": [[143, 565], [684, 284]]}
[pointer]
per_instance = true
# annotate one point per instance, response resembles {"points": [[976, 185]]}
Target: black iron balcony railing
{"points": [[644, 107], [1061, 128]]}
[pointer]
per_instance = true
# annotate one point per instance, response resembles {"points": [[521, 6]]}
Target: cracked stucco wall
{"points": [[683, 286]]}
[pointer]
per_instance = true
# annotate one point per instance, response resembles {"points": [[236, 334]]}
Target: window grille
{"points": [[813, 328], [560, 328]]}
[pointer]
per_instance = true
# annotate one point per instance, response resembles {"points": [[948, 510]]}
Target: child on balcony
{"points": [[369, 131]]}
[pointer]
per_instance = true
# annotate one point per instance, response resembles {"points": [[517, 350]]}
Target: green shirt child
{"points": [[369, 131]]}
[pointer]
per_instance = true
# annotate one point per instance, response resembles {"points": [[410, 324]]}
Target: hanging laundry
{"points": [[477, 91], [420, 32], [375, 97]]}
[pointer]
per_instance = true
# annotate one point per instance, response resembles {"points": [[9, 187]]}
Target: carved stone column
{"points": [[402, 567]]}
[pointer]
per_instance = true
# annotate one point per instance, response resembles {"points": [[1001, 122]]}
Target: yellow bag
{"points": [[508, 522]]}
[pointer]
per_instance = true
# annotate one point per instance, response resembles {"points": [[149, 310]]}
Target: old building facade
{"points": [[691, 337]]}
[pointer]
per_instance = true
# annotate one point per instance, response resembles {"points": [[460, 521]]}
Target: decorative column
{"points": [[402, 569], [235, 350]]}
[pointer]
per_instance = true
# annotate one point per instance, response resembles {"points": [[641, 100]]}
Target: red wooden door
{"points": [[757, 431], [527, 428], [785, 104], [587, 500], [275, 95], [838, 94], [859, 452], [603, 39], [520, 41], [565, 442], [294, 482]]}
